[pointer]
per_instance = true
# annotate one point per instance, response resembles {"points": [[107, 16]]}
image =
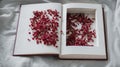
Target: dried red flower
{"points": [[82, 36], [44, 25]]}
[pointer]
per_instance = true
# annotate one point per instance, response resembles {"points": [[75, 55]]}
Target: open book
{"points": [[71, 31]]}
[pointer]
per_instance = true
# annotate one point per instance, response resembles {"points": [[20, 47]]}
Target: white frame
{"points": [[85, 50]]}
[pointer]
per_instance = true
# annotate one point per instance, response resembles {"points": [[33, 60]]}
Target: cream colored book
{"points": [[70, 31]]}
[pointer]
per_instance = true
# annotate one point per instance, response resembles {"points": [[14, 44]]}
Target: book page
{"points": [[94, 44], [26, 41]]}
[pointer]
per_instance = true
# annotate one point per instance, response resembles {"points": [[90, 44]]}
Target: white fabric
{"points": [[9, 11]]}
